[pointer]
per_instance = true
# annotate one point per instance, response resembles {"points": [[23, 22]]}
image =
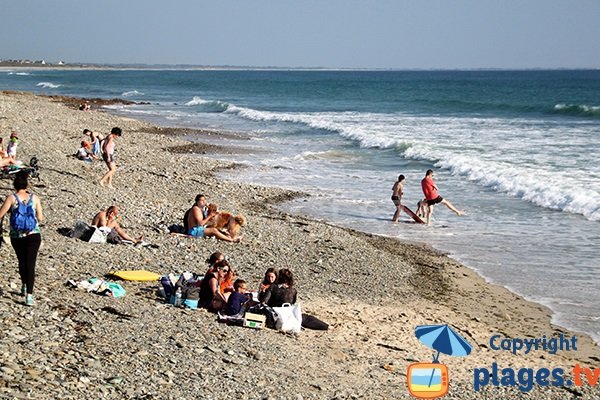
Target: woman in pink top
{"points": [[108, 150]]}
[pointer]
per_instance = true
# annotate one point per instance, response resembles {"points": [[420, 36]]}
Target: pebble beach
{"points": [[372, 290]]}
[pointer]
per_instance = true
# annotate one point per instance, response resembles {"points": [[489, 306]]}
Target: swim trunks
{"points": [[197, 231], [397, 201], [435, 201], [108, 157]]}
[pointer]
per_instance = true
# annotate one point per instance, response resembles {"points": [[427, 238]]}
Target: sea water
{"points": [[517, 151]]}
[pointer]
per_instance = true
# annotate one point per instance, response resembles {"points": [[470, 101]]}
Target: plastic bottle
{"points": [[178, 297]]}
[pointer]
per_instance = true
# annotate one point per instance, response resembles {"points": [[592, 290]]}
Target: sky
{"points": [[399, 34]]}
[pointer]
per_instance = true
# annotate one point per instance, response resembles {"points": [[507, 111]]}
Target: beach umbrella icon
{"points": [[444, 339]]}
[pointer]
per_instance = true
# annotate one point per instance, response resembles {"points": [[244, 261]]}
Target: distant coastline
{"points": [[41, 64]]}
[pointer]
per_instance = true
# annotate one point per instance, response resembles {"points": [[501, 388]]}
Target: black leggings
{"points": [[27, 250]]}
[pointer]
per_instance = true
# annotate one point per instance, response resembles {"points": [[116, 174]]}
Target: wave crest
{"points": [[208, 105], [578, 110], [132, 93], [48, 85]]}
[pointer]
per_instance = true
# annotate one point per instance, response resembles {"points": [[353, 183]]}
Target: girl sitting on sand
{"points": [[269, 279], [283, 291]]}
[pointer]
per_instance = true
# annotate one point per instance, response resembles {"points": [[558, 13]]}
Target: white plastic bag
{"points": [[289, 318], [100, 235]]}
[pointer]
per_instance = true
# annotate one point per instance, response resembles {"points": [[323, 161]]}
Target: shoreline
{"points": [[372, 290]]}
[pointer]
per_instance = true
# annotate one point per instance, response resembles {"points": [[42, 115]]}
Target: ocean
{"points": [[517, 151]]}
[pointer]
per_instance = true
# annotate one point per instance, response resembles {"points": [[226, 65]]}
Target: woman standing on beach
{"points": [[108, 156], [26, 213]]}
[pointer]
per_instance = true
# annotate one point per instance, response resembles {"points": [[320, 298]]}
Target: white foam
{"points": [[19, 73], [449, 143], [132, 93], [48, 85]]}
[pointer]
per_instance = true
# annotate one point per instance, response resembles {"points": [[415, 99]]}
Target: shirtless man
{"points": [[194, 222], [108, 218], [430, 190], [397, 192]]}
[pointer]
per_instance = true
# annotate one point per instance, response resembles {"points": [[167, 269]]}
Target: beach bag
{"points": [[23, 218], [289, 318], [268, 312], [190, 289]]}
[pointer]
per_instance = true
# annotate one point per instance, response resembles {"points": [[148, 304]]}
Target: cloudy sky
{"points": [[443, 34]]}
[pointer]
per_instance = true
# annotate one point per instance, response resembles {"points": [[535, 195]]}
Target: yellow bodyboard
{"points": [[139, 275]]}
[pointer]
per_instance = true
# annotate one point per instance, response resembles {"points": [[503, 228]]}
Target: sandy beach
{"points": [[372, 290]]}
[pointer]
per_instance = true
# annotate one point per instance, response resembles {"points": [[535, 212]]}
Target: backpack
{"points": [[23, 218]]}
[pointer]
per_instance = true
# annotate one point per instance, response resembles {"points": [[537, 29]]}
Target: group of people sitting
{"points": [[220, 291], [8, 155]]}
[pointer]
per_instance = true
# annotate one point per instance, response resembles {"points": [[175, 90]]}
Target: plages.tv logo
{"points": [[431, 380]]}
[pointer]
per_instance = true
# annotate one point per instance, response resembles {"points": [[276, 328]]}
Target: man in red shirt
{"points": [[432, 196]]}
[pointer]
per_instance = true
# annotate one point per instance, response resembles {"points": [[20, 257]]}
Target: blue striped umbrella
{"points": [[444, 339]]}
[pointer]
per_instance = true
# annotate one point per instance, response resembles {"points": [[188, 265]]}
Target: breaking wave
{"points": [[132, 93], [385, 131], [48, 85], [577, 110], [208, 105]]}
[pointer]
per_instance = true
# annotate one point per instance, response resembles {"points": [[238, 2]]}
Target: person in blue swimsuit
{"points": [[194, 222]]}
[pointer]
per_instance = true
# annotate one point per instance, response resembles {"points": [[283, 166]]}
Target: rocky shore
{"points": [[372, 290]]}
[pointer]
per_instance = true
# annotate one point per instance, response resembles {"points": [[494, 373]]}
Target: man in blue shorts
{"points": [[194, 222]]}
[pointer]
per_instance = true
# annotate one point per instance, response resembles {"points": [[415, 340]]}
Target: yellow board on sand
{"points": [[139, 275]]}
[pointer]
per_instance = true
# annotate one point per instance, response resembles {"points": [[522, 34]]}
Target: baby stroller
{"points": [[33, 168]]}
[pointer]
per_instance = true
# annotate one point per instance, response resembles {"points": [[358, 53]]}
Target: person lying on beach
{"points": [[397, 192], [8, 161], [84, 107], [283, 291], [108, 218], [194, 222], [83, 152], [238, 298], [95, 140], [108, 155], [210, 296], [430, 190], [269, 279]]}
